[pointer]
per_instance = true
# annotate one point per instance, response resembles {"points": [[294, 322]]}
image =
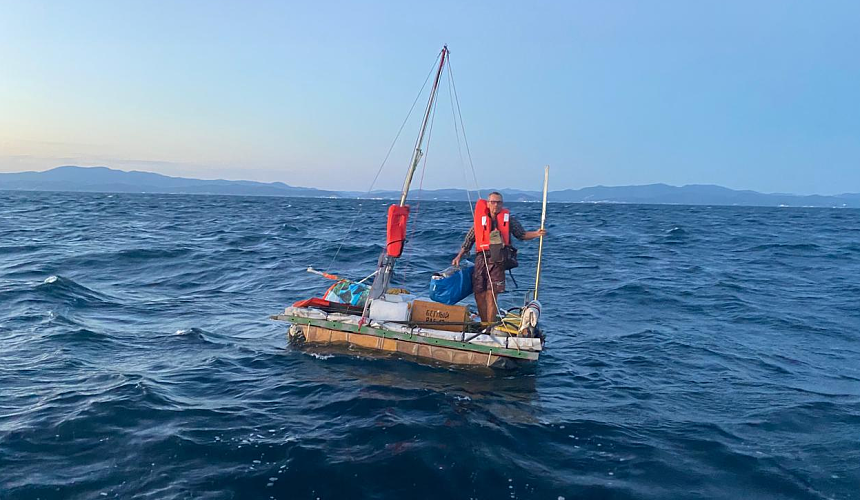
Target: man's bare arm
{"points": [[530, 235]]}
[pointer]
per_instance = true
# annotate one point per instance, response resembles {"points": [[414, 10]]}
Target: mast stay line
{"points": [[385, 266], [416, 156]]}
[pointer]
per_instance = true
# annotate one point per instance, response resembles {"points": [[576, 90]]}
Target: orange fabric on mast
{"points": [[398, 216]]}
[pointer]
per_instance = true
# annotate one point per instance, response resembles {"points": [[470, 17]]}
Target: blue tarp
{"points": [[452, 285], [347, 292]]}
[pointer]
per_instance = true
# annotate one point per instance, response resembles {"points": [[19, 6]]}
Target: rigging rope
{"points": [[421, 181], [387, 155], [475, 177], [463, 127], [457, 114], [457, 135]]}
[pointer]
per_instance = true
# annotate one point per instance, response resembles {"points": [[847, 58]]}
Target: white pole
{"points": [[542, 223]]}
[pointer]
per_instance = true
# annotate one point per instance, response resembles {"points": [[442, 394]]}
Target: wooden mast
{"points": [[416, 156], [386, 262]]}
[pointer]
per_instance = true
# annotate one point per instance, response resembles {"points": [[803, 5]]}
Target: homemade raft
{"points": [[389, 320], [314, 326]]}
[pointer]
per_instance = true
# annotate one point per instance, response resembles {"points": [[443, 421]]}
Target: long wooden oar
{"points": [[542, 222]]}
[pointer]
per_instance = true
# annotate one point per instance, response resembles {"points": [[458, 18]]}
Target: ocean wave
{"points": [[19, 249], [71, 293], [801, 247], [80, 335], [135, 254]]}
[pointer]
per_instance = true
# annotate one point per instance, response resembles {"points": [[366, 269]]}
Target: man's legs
{"points": [[481, 302], [480, 285], [486, 306], [487, 279], [490, 306]]}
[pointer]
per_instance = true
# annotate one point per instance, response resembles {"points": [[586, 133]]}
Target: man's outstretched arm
{"points": [[521, 234], [530, 235]]}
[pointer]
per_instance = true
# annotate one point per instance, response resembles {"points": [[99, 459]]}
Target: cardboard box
{"points": [[424, 313]]}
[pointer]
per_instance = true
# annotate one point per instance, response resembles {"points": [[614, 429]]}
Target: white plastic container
{"points": [[399, 297], [383, 310]]}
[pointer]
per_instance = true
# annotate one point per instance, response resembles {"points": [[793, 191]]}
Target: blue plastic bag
{"points": [[453, 284]]}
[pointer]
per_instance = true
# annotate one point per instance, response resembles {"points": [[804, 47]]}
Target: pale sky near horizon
{"points": [[761, 95]]}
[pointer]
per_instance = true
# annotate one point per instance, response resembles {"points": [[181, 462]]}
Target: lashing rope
{"points": [[426, 153], [387, 155], [459, 114], [457, 135], [463, 126]]}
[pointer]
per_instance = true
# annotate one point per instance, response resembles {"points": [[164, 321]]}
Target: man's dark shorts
{"points": [[481, 277]]}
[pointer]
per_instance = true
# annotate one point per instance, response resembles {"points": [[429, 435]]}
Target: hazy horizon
{"points": [[495, 186], [746, 95]]}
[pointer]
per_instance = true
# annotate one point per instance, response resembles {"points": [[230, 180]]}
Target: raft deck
{"points": [[313, 326]]}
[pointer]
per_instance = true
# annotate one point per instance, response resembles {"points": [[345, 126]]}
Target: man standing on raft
{"points": [[492, 230]]}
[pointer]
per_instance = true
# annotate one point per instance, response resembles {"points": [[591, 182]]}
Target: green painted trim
{"points": [[408, 337]]}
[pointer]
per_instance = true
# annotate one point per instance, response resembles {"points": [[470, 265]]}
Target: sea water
{"points": [[692, 352]]}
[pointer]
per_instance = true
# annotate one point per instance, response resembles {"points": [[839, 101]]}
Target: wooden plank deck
{"points": [[323, 332]]}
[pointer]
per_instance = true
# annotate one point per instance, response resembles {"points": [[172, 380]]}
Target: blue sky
{"points": [[761, 95]]}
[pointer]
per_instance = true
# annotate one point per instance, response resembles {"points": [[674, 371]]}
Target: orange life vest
{"points": [[484, 226]]}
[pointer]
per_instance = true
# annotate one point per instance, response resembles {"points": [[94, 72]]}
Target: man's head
{"points": [[494, 202]]}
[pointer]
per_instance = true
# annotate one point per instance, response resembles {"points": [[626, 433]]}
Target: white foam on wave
{"points": [[184, 331], [51, 279], [322, 357]]}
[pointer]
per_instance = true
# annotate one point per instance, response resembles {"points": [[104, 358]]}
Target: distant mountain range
{"points": [[107, 180]]}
